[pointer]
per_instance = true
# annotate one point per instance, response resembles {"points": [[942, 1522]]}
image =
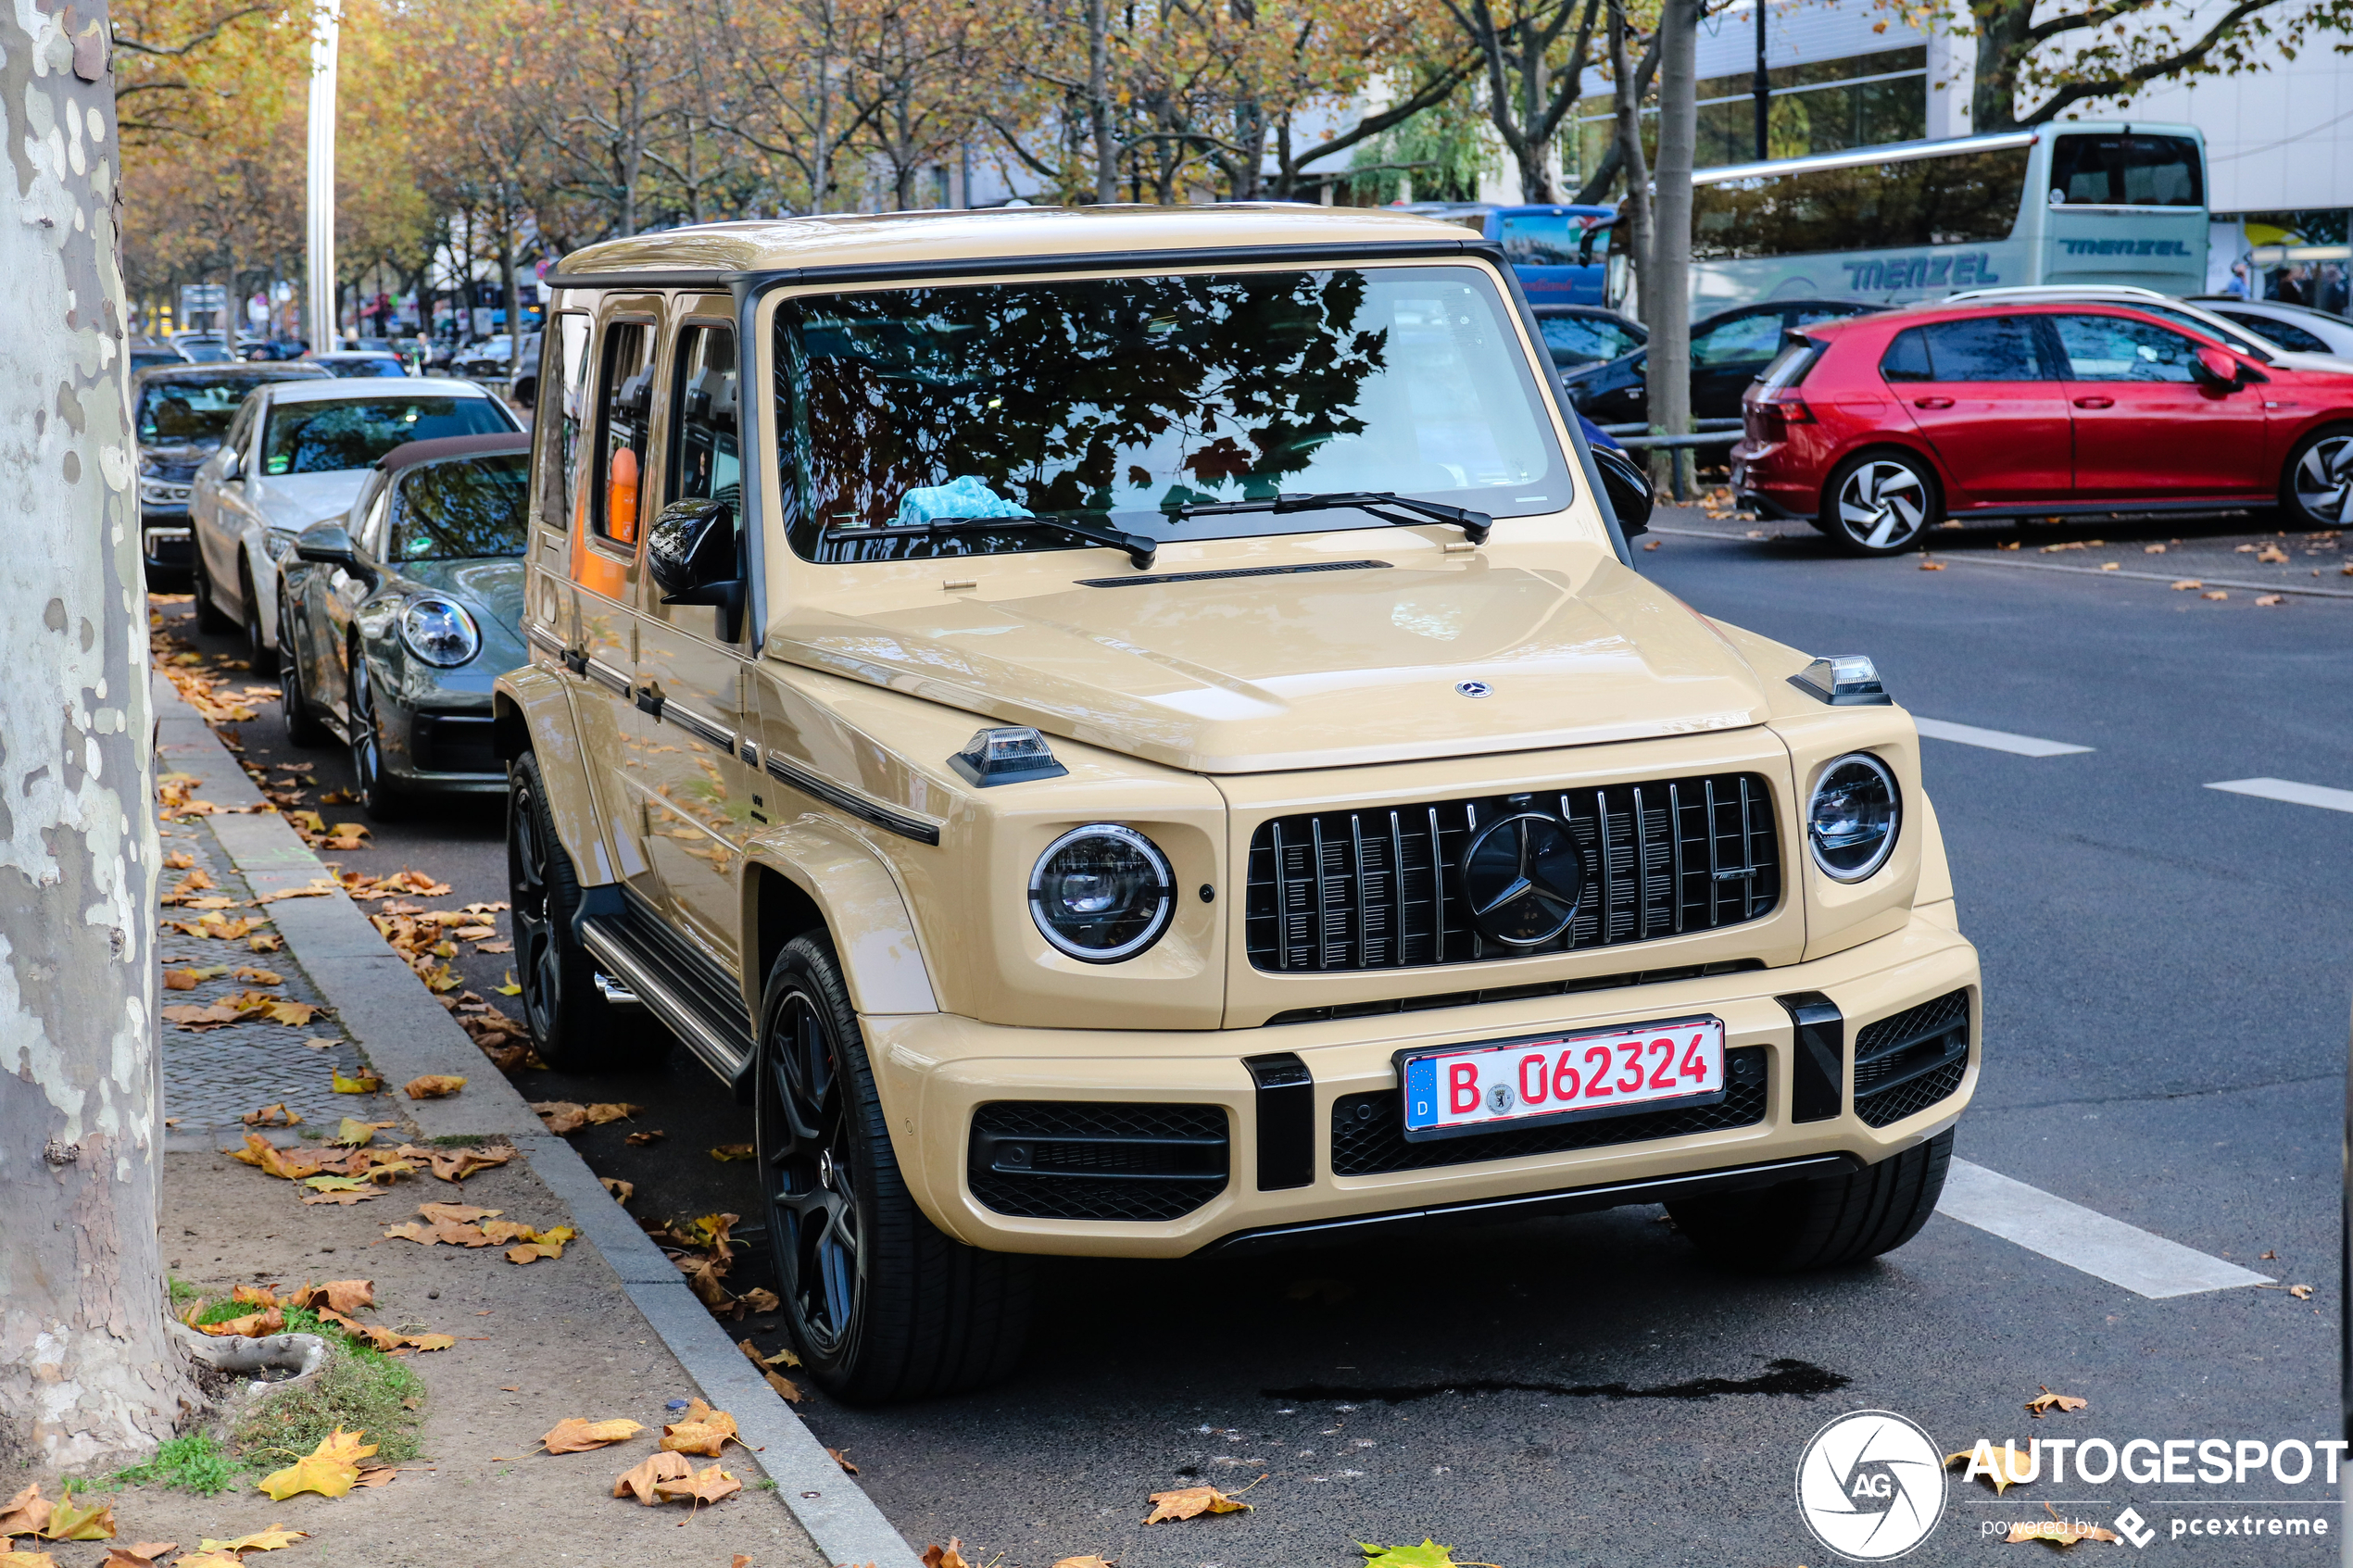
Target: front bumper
{"points": [[440, 751], [164, 539], [936, 1071]]}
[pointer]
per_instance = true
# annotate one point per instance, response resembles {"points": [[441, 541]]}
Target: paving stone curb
{"points": [[405, 1034]]}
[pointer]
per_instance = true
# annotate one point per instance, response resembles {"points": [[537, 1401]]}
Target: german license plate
{"points": [[1545, 1078]]}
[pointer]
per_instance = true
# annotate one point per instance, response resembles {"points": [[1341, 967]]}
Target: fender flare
{"points": [[531, 710], [808, 872]]}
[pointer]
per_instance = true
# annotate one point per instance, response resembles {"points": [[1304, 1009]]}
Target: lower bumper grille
{"points": [[444, 743], [1057, 1160], [1369, 1130], [1906, 1063]]}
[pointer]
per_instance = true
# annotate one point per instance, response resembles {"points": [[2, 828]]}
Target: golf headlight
{"points": [[439, 631], [1853, 818], [1101, 892]]}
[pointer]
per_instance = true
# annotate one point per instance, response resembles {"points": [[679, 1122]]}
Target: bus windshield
{"points": [[2127, 172]]}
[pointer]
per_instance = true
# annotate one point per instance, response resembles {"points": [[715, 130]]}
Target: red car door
{"points": [[2146, 425], [1981, 392]]}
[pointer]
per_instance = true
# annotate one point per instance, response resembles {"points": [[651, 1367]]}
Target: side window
{"points": [[625, 391], [1983, 348], [1906, 357], [1748, 341], [241, 427], [2295, 340], [563, 367], [2118, 348], [705, 463]]}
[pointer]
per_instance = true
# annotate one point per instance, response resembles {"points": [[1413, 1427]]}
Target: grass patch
{"points": [[194, 1464], [182, 1291], [361, 1390]]}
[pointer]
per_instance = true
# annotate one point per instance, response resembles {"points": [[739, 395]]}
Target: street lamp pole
{"points": [[326, 23], [1762, 87]]}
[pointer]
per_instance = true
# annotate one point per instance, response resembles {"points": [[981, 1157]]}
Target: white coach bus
{"points": [[2075, 202]]}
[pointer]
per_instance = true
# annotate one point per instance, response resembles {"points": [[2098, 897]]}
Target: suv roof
{"points": [[913, 241], [332, 388]]}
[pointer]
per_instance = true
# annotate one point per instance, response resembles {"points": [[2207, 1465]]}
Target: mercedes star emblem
{"points": [[1523, 878], [1474, 688]]}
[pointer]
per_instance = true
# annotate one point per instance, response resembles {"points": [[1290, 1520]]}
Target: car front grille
{"points": [[1338, 891], [1369, 1130], [448, 742], [1060, 1160], [1905, 1063]]}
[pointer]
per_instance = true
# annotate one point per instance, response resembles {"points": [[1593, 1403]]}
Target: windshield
{"points": [[1122, 398], [183, 412], [460, 511], [385, 366], [329, 437]]}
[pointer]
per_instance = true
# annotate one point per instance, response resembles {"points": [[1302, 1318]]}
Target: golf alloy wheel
{"points": [[1882, 505], [2321, 480]]}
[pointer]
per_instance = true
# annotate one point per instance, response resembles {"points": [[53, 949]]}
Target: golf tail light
{"points": [[1101, 892], [1853, 818], [439, 631]]}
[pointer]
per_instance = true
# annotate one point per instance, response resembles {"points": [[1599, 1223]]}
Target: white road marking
{"points": [[2293, 793], [1994, 740], [2082, 1238]]}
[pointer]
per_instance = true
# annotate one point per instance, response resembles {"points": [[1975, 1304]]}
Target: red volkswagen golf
{"points": [[1876, 429]]}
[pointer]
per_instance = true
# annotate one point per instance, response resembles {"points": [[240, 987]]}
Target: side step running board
{"points": [[651, 977]]}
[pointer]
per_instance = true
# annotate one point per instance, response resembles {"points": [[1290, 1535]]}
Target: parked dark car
{"points": [[179, 413], [1729, 349], [522, 388], [487, 360], [1577, 335], [1874, 431], [394, 619]]}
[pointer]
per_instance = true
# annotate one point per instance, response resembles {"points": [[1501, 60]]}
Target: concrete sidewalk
{"points": [[380, 1013]]}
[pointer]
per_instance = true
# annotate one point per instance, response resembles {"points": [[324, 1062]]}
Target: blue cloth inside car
{"points": [[964, 497]]}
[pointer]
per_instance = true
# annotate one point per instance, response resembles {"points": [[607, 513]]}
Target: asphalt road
{"points": [[2167, 1008]]}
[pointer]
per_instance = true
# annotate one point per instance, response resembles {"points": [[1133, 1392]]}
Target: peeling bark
{"points": [[88, 1372]]}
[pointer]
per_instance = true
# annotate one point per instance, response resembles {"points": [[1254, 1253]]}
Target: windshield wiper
{"points": [[1474, 525], [1141, 547]]}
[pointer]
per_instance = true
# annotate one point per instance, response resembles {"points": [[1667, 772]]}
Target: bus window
{"points": [[1968, 198], [2094, 170], [1545, 239]]}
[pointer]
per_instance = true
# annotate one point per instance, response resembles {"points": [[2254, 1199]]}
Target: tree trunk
{"points": [[88, 1374], [1634, 232], [1098, 100], [2003, 43], [1670, 295], [511, 289]]}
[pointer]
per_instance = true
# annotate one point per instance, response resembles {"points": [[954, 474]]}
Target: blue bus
{"points": [[1561, 253]]}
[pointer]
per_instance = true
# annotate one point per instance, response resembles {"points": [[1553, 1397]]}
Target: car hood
{"points": [[1295, 671], [178, 460], [297, 500], [491, 587]]}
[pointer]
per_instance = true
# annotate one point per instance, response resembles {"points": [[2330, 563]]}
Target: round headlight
{"points": [[439, 631], [1101, 892], [1853, 817]]}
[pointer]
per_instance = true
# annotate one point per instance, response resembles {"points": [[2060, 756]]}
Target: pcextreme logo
{"points": [[1870, 1486]]}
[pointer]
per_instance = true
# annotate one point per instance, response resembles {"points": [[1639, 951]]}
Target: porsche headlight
{"points": [[1101, 892], [439, 631], [1853, 818]]}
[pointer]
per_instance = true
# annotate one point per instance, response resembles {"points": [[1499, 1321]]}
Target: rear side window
{"points": [[2119, 348], [2127, 172], [564, 370], [2295, 340], [1977, 348], [1747, 341], [626, 388]]}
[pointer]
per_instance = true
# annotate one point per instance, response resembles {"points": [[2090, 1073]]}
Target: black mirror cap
{"points": [[1629, 489], [326, 544], [692, 555]]}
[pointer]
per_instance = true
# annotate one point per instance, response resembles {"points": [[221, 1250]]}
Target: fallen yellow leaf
{"points": [[330, 1469], [704, 1485], [727, 1151], [2046, 1401], [27, 1512], [1191, 1502], [142, 1554], [654, 1469], [433, 1085], [367, 1082], [273, 1539], [574, 1436], [2001, 1471], [338, 1295]]}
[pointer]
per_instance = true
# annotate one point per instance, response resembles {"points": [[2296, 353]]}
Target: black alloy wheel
{"points": [[259, 653], [571, 1026], [379, 796], [881, 1304], [210, 617], [294, 711]]}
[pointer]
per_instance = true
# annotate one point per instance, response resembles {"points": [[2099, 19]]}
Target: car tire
{"points": [[1822, 1224], [380, 795], [259, 653], [1881, 503], [882, 1305], [2316, 483], [571, 1024], [300, 718], [210, 617]]}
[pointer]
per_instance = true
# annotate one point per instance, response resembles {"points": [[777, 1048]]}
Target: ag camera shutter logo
{"points": [[1870, 1486]]}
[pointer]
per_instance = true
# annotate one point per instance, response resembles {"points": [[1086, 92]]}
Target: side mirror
{"points": [[329, 544], [228, 466], [2218, 369], [691, 553], [1628, 488]]}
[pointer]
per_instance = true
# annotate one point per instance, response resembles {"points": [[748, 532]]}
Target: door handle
{"points": [[2096, 402], [1931, 402]]}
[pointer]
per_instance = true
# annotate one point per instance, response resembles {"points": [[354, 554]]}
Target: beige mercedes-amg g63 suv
{"points": [[1132, 731]]}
